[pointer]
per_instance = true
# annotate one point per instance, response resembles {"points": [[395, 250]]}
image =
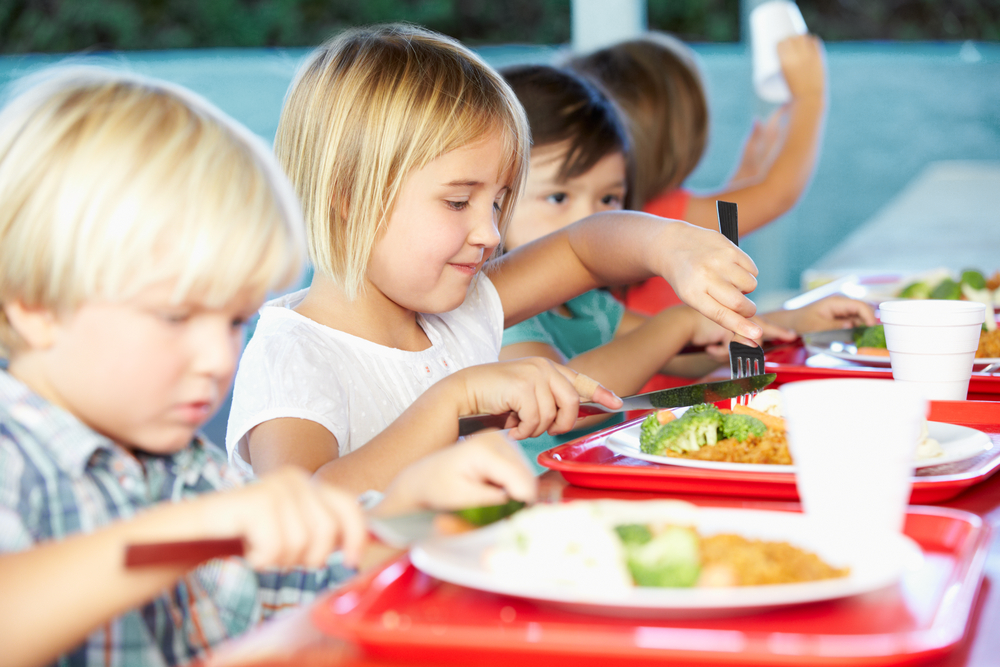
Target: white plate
{"points": [[460, 560], [958, 442], [839, 343]]}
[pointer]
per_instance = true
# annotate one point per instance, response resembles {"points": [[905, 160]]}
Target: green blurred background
{"points": [[75, 25]]}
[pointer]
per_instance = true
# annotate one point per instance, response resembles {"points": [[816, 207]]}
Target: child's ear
{"points": [[36, 325]]}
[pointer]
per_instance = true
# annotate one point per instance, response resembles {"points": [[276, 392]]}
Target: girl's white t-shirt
{"points": [[296, 367]]}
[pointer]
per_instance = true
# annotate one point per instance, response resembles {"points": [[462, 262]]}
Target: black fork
{"points": [[744, 360]]}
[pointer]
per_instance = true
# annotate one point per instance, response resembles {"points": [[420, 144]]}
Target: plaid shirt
{"points": [[58, 477]]}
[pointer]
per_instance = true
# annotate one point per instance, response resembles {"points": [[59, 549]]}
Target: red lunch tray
{"points": [[399, 613], [587, 462], [794, 363]]}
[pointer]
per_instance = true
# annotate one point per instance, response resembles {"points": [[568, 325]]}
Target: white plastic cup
{"points": [[770, 23], [853, 442], [932, 344]]}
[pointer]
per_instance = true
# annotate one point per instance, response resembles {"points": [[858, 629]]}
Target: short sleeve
{"points": [[285, 373]]}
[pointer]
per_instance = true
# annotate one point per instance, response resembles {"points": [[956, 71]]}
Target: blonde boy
{"points": [[139, 228]]}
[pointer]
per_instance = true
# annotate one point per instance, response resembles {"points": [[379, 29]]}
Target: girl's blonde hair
{"points": [[656, 82], [368, 108], [110, 182]]}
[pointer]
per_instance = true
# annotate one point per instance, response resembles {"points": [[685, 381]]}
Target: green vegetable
{"points": [[947, 289], [668, 559], [742, 427], [699, 426], [870, 336], [973, 279], [633, 534], [483, 516], [917, 290]]}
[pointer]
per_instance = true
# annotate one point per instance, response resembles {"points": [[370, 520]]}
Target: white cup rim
{"points": [[923, 312]]}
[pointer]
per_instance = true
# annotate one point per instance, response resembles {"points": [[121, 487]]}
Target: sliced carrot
{"points": [[665, 416], [770, 421], [873, 351]]}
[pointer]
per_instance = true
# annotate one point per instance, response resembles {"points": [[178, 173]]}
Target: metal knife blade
{"points": [[678, 397]]}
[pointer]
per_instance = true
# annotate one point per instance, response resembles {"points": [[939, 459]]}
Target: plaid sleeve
{"points": [[14, 534], [281, 589]]}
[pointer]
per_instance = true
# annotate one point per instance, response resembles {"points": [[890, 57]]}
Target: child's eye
{"points": [[456, 205], [556, 198], [611, 200], [496, 207], [175, 317], [238, 322]]}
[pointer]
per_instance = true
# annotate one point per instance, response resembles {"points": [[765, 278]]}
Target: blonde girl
{"points": [[408, 153]]}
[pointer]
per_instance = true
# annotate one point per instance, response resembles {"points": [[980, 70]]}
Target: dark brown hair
{"points": [[564, 107], [655, 81]]}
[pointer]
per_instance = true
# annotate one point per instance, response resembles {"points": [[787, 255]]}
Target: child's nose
{"points": [[485, 232], [216, 349]]}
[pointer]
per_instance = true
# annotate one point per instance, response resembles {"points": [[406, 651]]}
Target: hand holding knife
{"points": [[678, 397]]}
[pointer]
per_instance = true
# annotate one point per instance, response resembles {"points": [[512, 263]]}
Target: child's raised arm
{"points": [[707, 271], [57, 593], [780, 185]]}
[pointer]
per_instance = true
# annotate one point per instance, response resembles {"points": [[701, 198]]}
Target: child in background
{"points": [[579, 166], [408, 153], [655, 81], [139, 228]]}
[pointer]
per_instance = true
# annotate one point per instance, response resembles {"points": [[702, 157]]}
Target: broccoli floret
{"points": [[701, 408], [973, 279], [668, 559], [699, 426], [633, 534], [917, 290], [742, 427], [483, 516], [870, 336], [947, 289]]}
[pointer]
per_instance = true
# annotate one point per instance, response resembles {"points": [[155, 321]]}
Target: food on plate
{"points": [[871, 340], [927, 447], [704, 432], [941, 285], [614, 545], [989, 345], [971, 285], [754, 433]]}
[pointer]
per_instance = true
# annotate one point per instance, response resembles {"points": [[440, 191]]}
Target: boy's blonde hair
{"points": [[655, 81], [110, 182], [368, 108]]}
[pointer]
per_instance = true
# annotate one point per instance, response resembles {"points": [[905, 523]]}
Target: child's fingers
{"points": [[350, 534], [502, 465], [774, 332]]}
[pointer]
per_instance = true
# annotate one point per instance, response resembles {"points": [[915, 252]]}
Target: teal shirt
{"points": [[594, 318]]}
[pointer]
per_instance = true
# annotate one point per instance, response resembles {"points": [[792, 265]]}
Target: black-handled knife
{"points": [[678, 397]]}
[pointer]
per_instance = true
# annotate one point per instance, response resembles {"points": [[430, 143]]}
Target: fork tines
{"points": [[744, 361]]}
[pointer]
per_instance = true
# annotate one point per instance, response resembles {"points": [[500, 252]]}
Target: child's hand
{"points": [[833, 312], [710, 274], [545, 396], [802, 64], [760, 148], [289, 520], [485, 469]]}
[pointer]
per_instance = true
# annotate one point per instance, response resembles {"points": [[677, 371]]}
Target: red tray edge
{"points": [[950, 624]]}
